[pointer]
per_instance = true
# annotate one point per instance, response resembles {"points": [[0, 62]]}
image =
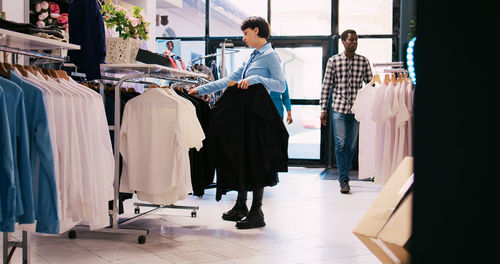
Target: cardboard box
{"points": [[382, 209], [396, 233]]}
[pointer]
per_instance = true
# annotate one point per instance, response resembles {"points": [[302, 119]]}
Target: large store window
{"points": [[304, 33], [366, 16], [184, 18], [300, 18], [226, 15]]}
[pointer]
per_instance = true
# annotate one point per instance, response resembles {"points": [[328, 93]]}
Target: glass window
{"points": [[180, 20], [366, 16], [376, 50], [302, 68], [305, 132], [298, 17], [226, 15]]}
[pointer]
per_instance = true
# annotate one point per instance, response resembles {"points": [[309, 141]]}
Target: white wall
{"points": [[15, 10]]}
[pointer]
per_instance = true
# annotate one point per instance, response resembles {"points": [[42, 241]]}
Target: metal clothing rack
{"points": [[23, 44], [213, 55], [132, 72]]}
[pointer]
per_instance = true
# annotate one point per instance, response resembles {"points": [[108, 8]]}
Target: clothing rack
{"points": [[398, 64], [132, 72], [213, 55], [23, 44]]}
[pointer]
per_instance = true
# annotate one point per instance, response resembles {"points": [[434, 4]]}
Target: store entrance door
{"points": [[303, 62]]}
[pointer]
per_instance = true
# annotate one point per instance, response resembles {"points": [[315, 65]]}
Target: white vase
{"points": [[119, 50]]}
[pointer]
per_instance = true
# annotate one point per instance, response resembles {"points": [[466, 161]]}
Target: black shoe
{"points": [[254, 219], [344, 186], [238, 211]]}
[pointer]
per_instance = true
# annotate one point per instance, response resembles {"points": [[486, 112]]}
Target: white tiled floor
{"points": [[308, 221]]}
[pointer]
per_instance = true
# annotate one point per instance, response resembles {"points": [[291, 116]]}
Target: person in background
{"points": [[344, 76], [264, 67], [283, 99], [170, 47]]}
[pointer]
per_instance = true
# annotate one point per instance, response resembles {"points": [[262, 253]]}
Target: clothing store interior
{"points": [[231, 131]]}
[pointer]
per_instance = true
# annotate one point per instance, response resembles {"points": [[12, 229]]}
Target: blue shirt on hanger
{"points": [[14, 98], [7, 183], [262, 67], [41, 157]]}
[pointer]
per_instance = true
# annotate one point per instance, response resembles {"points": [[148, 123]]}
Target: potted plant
{"points": [[131, 27]]}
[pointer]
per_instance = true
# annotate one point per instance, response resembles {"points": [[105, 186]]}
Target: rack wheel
{"points": [[137, 210], [72, 234], [193, 214], [141, 239]]}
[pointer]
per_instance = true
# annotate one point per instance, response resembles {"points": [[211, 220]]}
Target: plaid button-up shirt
{"points": [[343, 79]]}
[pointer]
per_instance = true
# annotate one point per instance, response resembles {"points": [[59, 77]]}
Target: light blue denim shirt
{"points": [[265, 68]]}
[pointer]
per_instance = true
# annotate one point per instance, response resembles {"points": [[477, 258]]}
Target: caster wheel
{"points": [[193, 214], [72, 234], [137, 210], [141, 239]]}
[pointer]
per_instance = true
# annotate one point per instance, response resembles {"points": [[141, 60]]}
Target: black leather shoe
{"points": [[238, 211], [254, 219], [344, 186]]}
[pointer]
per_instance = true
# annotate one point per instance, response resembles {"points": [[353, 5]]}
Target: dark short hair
{"points": [[257, 22], [170, 42], [346, 33]]}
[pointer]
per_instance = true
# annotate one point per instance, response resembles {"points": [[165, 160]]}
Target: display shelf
{"points": [[23, 41], [132, 68]]}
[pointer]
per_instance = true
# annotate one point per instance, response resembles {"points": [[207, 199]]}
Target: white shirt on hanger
{"points": [[154, 149], [367, 138]]}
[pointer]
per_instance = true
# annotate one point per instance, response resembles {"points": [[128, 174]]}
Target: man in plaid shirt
{"points": [[344, 77]]}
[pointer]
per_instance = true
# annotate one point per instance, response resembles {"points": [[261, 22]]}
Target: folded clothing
{"points": [[31, 29]]}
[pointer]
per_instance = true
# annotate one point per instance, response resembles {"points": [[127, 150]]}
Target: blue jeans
{"points": [[345, 132]]}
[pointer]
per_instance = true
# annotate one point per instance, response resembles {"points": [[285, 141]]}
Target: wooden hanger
{"points": [[387, 78], [376, 78], [154, 86], [231, 83], [40, 71], [21, 70], [393, 78], [7, 66], [62, 74], [29, 68], [4, 72]]}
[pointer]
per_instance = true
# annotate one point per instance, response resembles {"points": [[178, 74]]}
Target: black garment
{"points": [[248, 142], [109, 103], [200, 170], [86, 28]]}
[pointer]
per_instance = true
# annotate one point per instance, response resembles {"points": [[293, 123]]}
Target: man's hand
{"points": [[323, 118], [193, 91], [243, 84]]}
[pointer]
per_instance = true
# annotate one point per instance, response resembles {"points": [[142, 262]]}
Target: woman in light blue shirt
{"points": [[262, 67]]}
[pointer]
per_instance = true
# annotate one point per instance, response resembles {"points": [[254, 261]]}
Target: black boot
{"points": [[238, 211], [254, 219]]}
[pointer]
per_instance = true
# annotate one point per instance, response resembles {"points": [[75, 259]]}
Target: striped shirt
{"points": [[343, 79]]}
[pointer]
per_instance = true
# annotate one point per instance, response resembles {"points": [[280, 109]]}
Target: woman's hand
{"points": [[289, 118], [193, 91], [243, 84]]}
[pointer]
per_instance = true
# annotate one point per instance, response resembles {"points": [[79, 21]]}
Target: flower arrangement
{"points": [[128, 23], [48, 14]]}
